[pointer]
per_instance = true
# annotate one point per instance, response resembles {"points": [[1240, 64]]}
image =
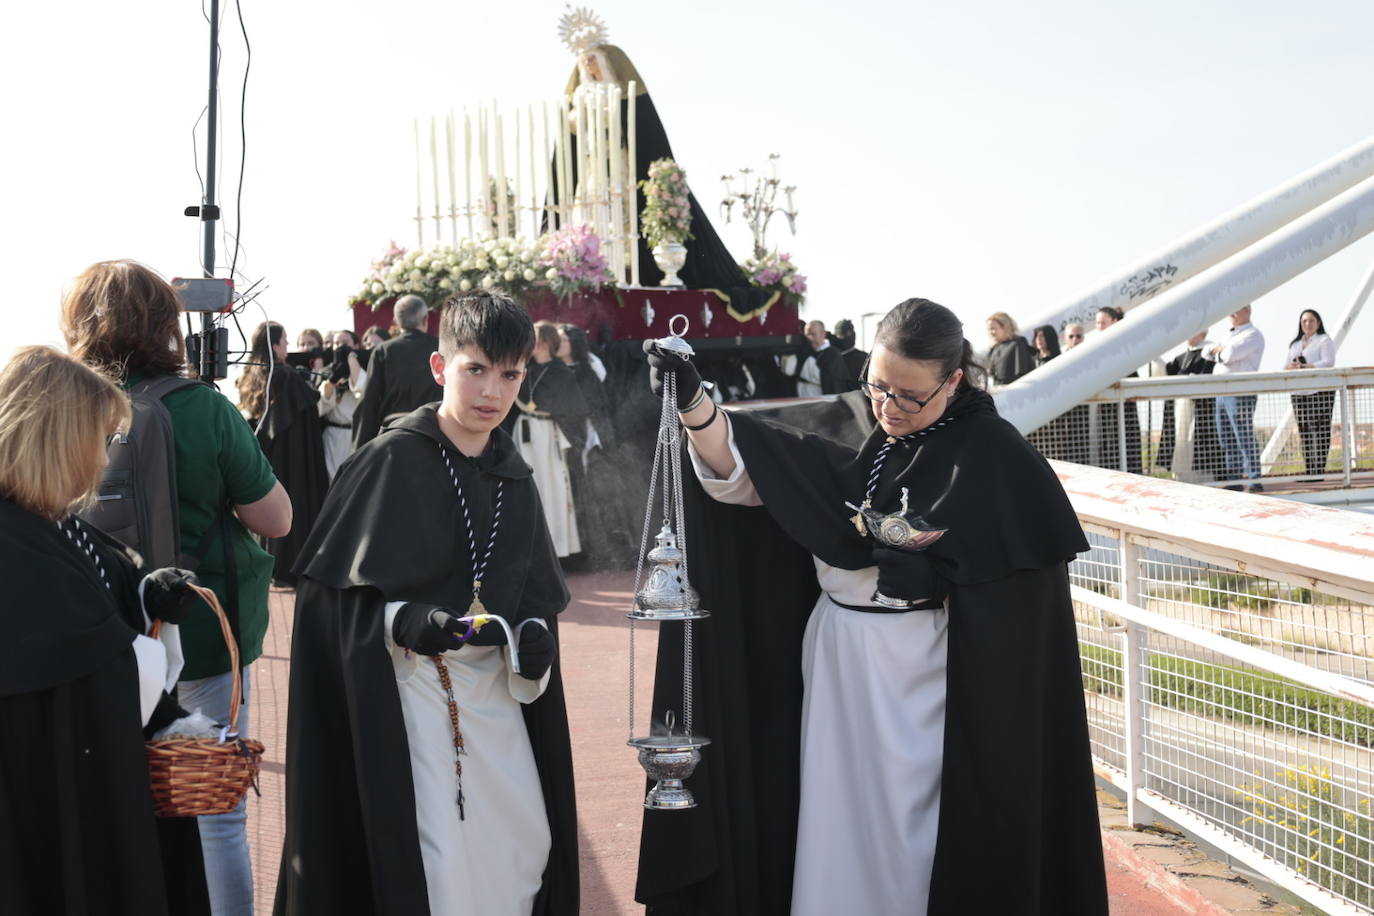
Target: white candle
{"points": [[534, 195], [617, 187], [419, 196], [580, 178], [434, 168], [549, 197], [632, 94], [452, 174], [503, 228], [484, 192], [467, 166], [519, 185], [564, 210]]}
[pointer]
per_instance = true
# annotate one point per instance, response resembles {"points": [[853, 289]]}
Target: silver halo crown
{"points": [[581, 30]]}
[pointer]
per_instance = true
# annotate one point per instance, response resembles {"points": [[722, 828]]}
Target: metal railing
{"points": [[1311, 424], [1227, 647]]}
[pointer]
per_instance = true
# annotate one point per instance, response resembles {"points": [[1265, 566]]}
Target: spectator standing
{"points": [[399, 378], [1010, 356], [339, 399], [284, 411], [1109, 430], [121, 317], [1078, 419], [311, 341], [821, 371], [375, 336], [1313, 348], [1188, 436], [1235, 414], [854, 358], [1046, 345]]}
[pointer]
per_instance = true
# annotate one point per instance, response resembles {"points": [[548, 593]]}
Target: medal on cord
{"points": [[475, 609], [858, 517]]}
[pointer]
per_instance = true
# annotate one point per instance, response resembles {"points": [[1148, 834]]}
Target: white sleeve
{"points": [[737, 489], [1250, 345], [152, 674], [597, 366], [522, 689], [1325, 353]]}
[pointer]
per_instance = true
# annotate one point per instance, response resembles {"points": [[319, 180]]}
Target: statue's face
{"points": [[594, 68]]}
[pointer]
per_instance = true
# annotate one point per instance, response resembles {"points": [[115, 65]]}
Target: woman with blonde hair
{"points": [[123, 318], [81, 687], [1010, 356]]}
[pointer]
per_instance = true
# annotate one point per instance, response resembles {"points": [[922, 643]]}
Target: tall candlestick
{"points": [[561, 153], [598, 102], [419, 197], [484, 193], [434, 168], [580, 174], [632, 104], [449, 138], [617, 187], [534, 196], [503, 227], [552, 184], [467, 166], [519, 185]]}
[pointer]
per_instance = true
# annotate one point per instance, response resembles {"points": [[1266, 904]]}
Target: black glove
{"points": [[537, 651], [908, 576], [661, 361], [427, 629], [167, 594]]}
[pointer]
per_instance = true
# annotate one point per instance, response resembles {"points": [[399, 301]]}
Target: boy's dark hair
{"points": [[492, 323]]}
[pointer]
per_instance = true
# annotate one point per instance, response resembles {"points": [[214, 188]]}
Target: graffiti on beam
{"points": [[1148, 282]]}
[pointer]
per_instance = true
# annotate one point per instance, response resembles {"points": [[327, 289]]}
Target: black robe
{"points": [[1206, 451], [1012, 531], [292, 437], [392, 529], [77, 830]]}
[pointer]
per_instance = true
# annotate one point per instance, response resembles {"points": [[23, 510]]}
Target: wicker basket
{"points": [[195, 776]]}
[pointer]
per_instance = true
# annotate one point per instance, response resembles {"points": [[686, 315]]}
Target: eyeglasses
{"points": [[1074, 336], [881, 396]]}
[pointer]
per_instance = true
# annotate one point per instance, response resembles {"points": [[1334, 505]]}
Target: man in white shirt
{"points": [[1235, 414]]}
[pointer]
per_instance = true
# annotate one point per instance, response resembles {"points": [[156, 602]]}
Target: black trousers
{"points": [[1313, 412]]}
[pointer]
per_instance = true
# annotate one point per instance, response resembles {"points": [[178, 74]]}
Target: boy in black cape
{"points": [[424, 775]]}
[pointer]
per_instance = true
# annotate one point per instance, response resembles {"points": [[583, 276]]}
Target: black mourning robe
{"points": [[1012, 531], [392, 529], [292, 437], [1206, 451], [554, 390], [77, 829]]}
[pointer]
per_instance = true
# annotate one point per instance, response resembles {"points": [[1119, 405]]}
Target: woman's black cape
{"points": [[1017, 797], [293, 440], [392, 529], [77, 831]]}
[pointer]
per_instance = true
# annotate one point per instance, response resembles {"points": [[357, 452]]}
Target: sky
{"points": [[993, 156]]}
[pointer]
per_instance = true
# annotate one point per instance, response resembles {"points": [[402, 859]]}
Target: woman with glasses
{"points": [[868, 714]]}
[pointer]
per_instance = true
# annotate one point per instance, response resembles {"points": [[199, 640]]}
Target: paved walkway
{"points": [[1149, 873]]}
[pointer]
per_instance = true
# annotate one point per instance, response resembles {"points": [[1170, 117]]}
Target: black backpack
{"points": [[137, 502]]}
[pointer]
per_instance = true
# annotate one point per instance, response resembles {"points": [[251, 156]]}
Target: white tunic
{"points": [[544, 447], [338, 439], [491, 863], [872, 742]]}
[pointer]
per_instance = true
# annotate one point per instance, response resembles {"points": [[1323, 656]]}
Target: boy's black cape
{"points": [[392, 529], [77, 831], [1017, 781]]}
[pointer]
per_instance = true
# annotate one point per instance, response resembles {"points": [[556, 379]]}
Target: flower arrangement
{"points": [[571, 261], [777, 272], [373, 288], [667, 214], [566, 261]]}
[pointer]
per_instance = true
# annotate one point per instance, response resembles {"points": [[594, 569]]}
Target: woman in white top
{"points": [[338, 401], [1313, 348]]}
